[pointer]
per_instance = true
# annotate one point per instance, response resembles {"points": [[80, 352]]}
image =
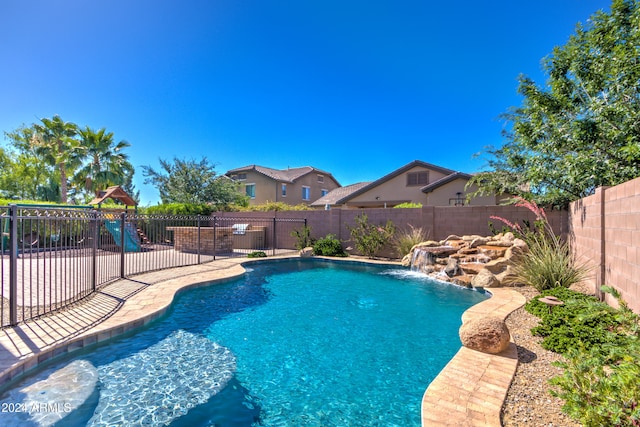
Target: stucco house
{"points": [[301, 185], [415, 182]]}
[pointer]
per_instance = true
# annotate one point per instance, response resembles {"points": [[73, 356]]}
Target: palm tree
{"points": [[54, 140], [106, 165]]}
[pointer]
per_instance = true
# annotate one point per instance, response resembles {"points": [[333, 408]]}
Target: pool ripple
{"points": [[162, 382], [151, 387]]}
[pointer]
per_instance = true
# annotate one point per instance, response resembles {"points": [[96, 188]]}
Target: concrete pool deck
{"points": [[469, 391]]}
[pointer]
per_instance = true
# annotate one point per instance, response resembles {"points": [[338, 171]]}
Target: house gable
{"points": [[400, 186]]}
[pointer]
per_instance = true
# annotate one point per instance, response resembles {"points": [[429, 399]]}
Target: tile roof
{"points": [[284, 175], [336, 196]]}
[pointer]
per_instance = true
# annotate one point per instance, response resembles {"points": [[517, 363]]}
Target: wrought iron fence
{"points": [[54, 257]]}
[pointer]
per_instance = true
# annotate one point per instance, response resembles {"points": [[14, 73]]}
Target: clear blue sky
{"points": [[357, 88]]}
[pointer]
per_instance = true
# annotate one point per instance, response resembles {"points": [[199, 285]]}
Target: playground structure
{"points": [[133, 237]]}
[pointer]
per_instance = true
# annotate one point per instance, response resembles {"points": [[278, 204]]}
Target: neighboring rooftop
{"points": [[283, 175], [335, 196]]}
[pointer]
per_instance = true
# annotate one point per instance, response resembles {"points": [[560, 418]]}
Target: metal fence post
{"points": [[123, 217], [215, 223], [95, 235], [274, 236], [199, 241], [13, 265]]}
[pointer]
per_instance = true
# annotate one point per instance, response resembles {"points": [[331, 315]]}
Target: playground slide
{"points": [[131, 239]]}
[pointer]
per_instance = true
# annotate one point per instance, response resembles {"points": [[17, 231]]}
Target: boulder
{"points": [[492, 250], [479, 241], [487, 334], [453, 267], [507, 277], [485, 279], [306, 252], [426, 244], [406, 260], [464, 281], [497, 265]]}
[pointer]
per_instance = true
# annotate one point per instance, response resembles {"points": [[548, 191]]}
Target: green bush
{"points": [[368, 238], [303, 237], [602, 357], [329, 246], [179, 209], [408, 205], [256, 254], [270, 207], [601, 390], [581, 322]]}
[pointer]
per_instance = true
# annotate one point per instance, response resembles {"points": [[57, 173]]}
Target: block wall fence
{"points": [[604, 230], [437, 221]]}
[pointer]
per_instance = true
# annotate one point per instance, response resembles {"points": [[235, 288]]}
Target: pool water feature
{"points": [[291, 343]]}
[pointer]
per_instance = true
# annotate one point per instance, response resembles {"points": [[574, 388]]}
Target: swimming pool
{"points": [[291, 343]]}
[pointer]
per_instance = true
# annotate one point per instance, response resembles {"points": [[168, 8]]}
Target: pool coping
{"points": [[470, 389]]}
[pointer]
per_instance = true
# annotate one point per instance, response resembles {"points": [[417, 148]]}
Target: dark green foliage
{"points": [[578, 130], [179, 209], [602, 357], [256, 254], [190, 181], [581, 322], [329, 246]]}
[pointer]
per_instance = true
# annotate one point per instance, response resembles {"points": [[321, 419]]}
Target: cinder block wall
{"points": [[437, 222], [605, 229]]}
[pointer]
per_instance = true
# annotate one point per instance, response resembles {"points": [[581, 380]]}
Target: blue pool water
{"points": [[293, 343]]}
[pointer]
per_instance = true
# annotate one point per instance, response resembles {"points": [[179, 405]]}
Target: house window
{"points": [[241, 176], [284, 190], [417, 178], [306, 193], [323, 192], [320, 178], [250, 190]]}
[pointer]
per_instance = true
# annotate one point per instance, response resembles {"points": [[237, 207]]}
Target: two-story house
{"points": [[293, 186]]}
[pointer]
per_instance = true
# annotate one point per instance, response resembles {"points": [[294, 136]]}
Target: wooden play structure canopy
{"points": [[117, 193]]}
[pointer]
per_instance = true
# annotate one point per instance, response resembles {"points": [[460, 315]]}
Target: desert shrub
{"points": [[329, 246], [303, 237], [601, 390], [550, 262], [257, 254], [404, 239], [369, 238], [601, 346]]}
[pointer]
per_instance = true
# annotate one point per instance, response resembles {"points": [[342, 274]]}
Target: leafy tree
{"points": [[581, 130], [23, 173], [190, 181], [107, 163], [54, 139]]}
